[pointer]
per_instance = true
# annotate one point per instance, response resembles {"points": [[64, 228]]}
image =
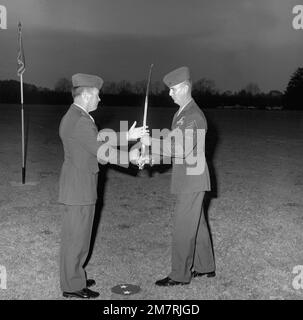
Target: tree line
{"points": [[125, 93]]}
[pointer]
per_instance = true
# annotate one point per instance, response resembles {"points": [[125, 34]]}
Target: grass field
{"points": [[255, 210]]}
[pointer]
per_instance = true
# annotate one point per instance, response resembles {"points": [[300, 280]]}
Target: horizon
{"points": [[133, 83], [232, 44]]}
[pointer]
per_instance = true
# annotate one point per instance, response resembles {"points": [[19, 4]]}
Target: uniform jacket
{"points": [[79, 173], [187, 149]]}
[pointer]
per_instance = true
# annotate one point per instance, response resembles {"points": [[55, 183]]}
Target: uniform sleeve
{"points": [[113, 138], [85, 133], [108, 154]]}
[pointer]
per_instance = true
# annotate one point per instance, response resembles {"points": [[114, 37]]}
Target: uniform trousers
{"points": [[191, 243], [75, 242]]}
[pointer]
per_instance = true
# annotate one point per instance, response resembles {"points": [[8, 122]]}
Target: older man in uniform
{"points": [[192, 254], [78, 182]]}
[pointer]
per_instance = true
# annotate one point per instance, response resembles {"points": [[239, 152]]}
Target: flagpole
{"points": [[22, 125], [21, 69]]}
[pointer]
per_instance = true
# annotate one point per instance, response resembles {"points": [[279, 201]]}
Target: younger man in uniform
{"points": [[192, 254]]}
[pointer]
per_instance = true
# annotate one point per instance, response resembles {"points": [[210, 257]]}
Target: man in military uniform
{"points": [[192, 254], [78, 181]]}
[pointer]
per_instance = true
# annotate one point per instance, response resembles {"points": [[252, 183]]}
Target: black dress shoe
{"points": [[84, 294], [90, 283], [200, 274], [169, 282]]}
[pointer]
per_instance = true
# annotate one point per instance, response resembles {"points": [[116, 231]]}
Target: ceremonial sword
{"points": [[142, 163]]}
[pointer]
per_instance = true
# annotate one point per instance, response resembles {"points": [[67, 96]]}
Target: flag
{"points": [[20, 58]]}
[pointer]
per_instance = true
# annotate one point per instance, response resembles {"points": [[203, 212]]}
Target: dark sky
{"points": [[232, 42]]}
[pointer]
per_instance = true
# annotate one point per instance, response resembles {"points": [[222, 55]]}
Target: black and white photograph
{"points": [[151, 151]]}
